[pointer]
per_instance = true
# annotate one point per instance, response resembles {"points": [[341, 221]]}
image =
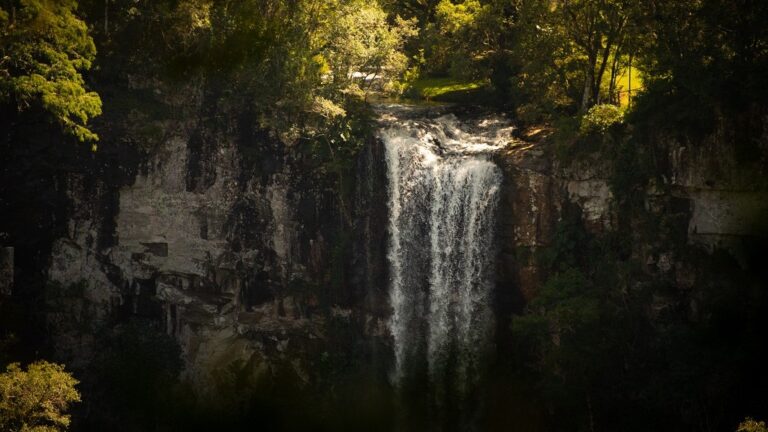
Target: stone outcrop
{"points": [[530, 205]]}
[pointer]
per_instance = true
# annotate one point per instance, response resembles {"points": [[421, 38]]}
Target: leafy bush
{"points": [[600, 118], [136, 372], [44, 49], [36, 399], [750, 425]]}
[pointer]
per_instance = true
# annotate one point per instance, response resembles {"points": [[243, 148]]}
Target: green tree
{"points": [[297, 64], [750, 425], [422, 10], [44, 47], [361, 46], [595, 27], [703, 59], [36, 400], [544, 75]]}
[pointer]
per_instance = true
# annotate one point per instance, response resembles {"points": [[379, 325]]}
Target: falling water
{"points": [[443, 193]]}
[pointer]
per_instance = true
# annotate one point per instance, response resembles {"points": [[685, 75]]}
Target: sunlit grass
{"points": [[431, 88]]}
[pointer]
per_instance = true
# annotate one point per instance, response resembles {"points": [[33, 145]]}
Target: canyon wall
{"points": [[231, 241], [241, 249], [703, 197]]}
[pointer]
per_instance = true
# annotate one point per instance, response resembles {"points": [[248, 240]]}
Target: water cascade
{"points": [[443, 193]]}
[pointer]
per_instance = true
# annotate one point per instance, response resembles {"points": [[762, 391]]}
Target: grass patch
{"points": [[443, 88]]}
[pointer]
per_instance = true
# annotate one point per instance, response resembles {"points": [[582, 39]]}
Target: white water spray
{"points": [[443, 194]]}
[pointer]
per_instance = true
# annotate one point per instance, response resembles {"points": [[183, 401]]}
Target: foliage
{"points": [[332, 152], [543, 58], [423, 11], [566, 301], [558, 335], [44, 48], [297, 64], [36, 399], [631, 171], [467, 40], [697, 58], [597, 30], [453, 35], [302, 70], [605, 338], [700, 59], [750, 425], [362, 43], [561, 306], [136, 369], [570, 242], [600, 118]]}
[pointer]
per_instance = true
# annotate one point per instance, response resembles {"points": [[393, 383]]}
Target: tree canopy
{"points": [[36, 399], [44, 48]]}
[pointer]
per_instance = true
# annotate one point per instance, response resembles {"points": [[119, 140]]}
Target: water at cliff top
{"points": [[443, 194]]}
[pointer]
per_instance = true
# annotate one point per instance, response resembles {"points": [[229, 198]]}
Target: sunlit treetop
{"points": [[44, 48], [36, 399]]}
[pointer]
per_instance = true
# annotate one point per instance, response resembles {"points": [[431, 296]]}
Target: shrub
{"points": [[600, 118], [36, 399], [750, 425]]}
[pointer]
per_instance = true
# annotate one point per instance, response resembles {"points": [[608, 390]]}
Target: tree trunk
{"points": [[603, 64], [629, 91], [589, 79], [614, 96]]}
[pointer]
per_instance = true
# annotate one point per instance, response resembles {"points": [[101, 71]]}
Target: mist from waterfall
{"points": [[443, 194]]}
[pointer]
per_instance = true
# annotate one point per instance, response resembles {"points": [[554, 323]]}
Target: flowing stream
{"points": [[443, 193]]}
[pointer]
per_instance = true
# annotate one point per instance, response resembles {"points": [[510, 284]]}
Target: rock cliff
{"points": [[229, 238], [702, 197]]}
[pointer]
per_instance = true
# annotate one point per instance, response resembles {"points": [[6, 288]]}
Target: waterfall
{"points": [[443, 193]]}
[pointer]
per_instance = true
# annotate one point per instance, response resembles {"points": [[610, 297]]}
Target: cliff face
{"points": [[230, 239], [242, 250], [702, 197]]}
